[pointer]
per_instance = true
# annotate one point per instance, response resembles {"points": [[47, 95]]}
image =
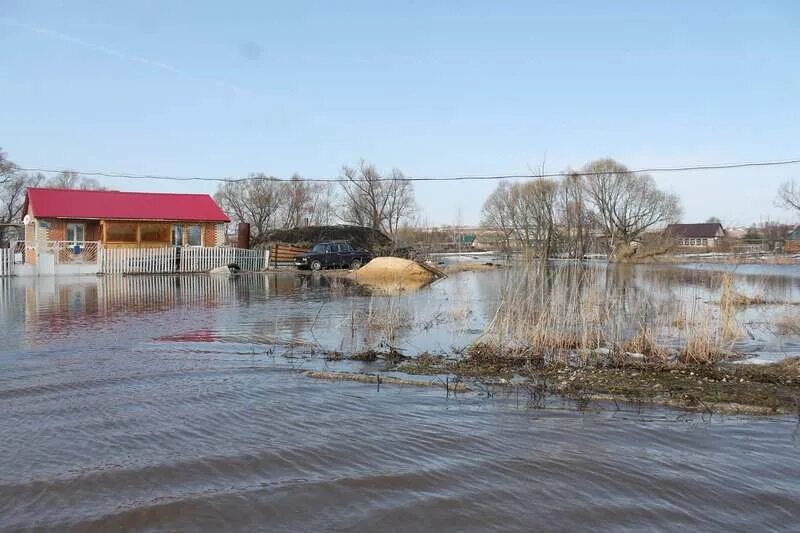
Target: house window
{"points": [[154, 233], [705, 242], [75, 233], [121, 232], [194, 235]]}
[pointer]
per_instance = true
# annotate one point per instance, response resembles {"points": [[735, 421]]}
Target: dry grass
{"points": [[788, 324], [469, 267], [577, 315]]}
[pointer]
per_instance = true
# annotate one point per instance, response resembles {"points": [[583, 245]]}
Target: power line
{"points": [[686, 168]]}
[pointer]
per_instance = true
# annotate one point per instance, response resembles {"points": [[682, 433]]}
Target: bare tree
{"points": [[497, 213], [255, 201], [69, 179], [322, 204], [295, 203], [789, 195], [401, 203], [13, 184], [575, 216], [627, 204], [375, 201], [525, 211]]}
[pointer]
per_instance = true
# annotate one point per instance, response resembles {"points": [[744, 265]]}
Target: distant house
{"points": [[468, 239], [117, 219], [792, 245], [708, 235]]}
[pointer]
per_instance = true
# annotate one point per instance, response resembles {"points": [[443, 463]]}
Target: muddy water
{"points": [[177, 403]]}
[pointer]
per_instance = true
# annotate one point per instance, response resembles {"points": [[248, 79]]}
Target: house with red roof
{"points": [[124, 219], [115, 219]]}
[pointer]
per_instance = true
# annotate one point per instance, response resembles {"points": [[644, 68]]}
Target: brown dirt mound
{"points": [[393, 273]]}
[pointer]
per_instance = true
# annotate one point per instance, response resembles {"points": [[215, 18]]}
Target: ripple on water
{"points": [[174, 416]]}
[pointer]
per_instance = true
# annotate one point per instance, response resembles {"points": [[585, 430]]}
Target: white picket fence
{"points": [[138, 260], [204, 259], [6, 261], [170, 259]]}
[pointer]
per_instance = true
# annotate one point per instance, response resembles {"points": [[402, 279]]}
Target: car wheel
{"points": [[316, 265], [356, 264]]}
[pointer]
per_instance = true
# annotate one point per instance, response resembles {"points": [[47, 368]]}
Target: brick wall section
{"points": [[57, 230], [30, 254], [209, 234]]}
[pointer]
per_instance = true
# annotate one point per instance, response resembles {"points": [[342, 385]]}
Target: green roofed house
{"points": [[467, 239]]}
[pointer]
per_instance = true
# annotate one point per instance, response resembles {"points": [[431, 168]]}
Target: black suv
{"points": [[332, 254]]}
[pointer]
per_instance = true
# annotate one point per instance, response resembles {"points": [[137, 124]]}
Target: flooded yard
{"points": [[179, 402]]}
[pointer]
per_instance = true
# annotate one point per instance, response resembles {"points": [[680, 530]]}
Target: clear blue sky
{"points": [[433, 88]]}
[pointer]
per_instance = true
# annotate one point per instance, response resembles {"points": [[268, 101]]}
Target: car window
{"points": [[345, 247], [335, 248], [319, 249]]}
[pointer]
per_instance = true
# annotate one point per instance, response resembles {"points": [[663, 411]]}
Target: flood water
{"points": [[179, 403]]}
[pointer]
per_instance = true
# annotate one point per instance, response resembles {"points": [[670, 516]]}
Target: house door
{"points": [[177, 235], [46, 263]]}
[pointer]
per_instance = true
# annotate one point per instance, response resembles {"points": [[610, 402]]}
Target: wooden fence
{"points": [[6, 261], [168, 260], [283, 254]]}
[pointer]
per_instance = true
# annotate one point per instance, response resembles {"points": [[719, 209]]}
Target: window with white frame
{"points": [[194, 234], [75, 233]]}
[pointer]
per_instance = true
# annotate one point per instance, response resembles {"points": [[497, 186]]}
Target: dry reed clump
{"points": [[788, 324], [386, 317], [644, 344], [570, 314]]}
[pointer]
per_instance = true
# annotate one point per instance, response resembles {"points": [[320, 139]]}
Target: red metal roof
{"points": [[117, 205]]}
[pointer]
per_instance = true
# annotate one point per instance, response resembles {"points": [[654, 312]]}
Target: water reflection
{"points": [[330, 313], [157, 403]]}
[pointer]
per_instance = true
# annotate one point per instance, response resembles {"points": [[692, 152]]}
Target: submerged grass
{"points": [[573, 314]]}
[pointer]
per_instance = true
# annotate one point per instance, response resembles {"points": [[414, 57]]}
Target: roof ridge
{"points": [[117, 191]]}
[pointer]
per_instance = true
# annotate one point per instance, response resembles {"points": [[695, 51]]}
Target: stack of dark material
{"points": [[366, 238]]}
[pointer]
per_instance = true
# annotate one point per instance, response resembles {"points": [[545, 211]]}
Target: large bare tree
{"points": [[376, 201], [255, 201], [267, 203], [789, 195], [575, 216], [525, 211], [627, 204], [497, 213]]}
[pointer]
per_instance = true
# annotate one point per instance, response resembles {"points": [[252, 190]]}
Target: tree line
{"points": [[604, 204], [362, 197], [602, 207], [604, 199]]}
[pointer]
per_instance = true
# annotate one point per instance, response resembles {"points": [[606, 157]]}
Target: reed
{"points": [[585, 316]]}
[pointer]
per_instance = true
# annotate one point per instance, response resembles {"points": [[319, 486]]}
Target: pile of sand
{"points": [[396, 273]]}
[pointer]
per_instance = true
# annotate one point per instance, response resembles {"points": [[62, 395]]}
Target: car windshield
{"points": [[319, 248]]}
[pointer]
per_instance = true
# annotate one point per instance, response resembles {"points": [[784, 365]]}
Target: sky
{"points": [[434, 88]]}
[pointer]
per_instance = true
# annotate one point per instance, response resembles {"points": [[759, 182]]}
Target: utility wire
{"points": [[715, 166]]}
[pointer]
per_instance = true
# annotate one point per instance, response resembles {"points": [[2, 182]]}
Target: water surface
{"points": [[164, 403]]}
